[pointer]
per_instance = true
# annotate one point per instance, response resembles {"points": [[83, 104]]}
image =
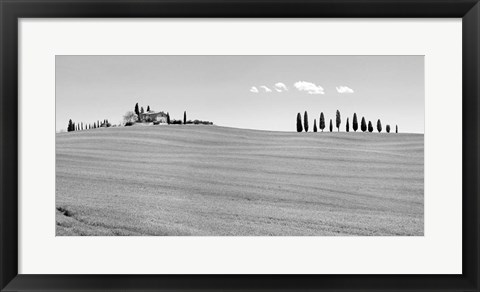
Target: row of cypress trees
{"points": [[338, 121], [72, 127]]}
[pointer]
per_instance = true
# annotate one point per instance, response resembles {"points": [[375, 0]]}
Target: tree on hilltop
{"points": [[322, 121], [363, 125], [299, 123], [70, 126], [137, 111], [331, 125], [379, 126], [315, 125], [338, 120], [370, 126], [305, 121], [347, 127], [388, 128], [168, 118], [148, 108], [184, 117], [355, 122], [396, 129], [129, 118]]}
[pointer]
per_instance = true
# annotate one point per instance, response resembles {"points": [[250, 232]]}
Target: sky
{"points": [[251, 92]]}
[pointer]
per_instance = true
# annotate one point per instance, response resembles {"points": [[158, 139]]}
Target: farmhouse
{"points": [[152, 116]]}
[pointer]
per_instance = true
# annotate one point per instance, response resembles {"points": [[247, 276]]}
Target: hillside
{"points": [[209, 180]]}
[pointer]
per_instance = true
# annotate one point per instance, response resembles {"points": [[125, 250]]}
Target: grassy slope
{"points": [[208, 180]]}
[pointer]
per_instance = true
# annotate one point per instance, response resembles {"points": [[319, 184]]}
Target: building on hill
{"points": [[152, 116]]}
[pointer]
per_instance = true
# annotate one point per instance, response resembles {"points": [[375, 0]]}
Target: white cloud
{"points": [[254, 89], [279, 87], [344, 89], [309, 87], [266, 88]]}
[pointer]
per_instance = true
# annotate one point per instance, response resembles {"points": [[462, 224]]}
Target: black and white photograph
{"points": [[239, 145]]}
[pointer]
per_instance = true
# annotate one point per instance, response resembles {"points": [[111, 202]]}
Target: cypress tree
{"points": [[184, 117], [299, 123], [338, 121], [363, 125], [70, 126], [331, 125], [379, 126], [148, 108], [141, 110], [388, 128], [322, 121], [396, 129], [137, 112], [355, 122], [347, 128], [168, 119], [370, 126], [305, 121], [315, 125]]}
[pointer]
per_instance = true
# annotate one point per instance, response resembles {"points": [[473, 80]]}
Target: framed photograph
{"points": [[224, 145]]}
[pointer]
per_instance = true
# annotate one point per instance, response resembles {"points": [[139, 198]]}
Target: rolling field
{"points": [[208, 180]]}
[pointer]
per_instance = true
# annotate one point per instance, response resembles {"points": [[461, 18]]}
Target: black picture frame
{"points": [[12, 10]]}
